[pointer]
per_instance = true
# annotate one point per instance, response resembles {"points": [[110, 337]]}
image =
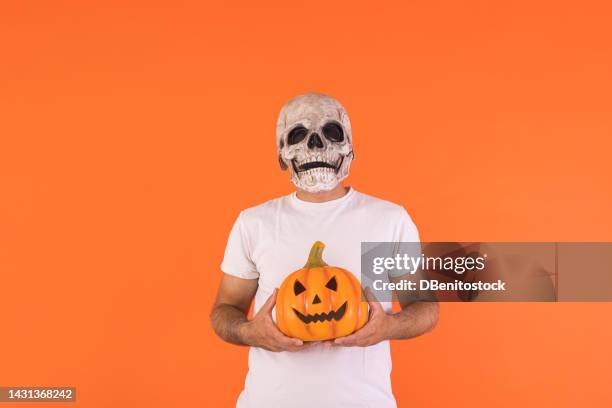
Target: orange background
{"points": [[133, 133]]}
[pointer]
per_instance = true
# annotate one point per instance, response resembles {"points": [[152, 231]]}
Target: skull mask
{"points": [[313, 136]]}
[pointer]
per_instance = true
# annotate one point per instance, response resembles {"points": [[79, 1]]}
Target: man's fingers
{"points": [[375, 306], [274, 333], [350, 342], [341, 341], [289, 344], [350, 339], [309, 344], [287, 341], [357, 338], [328, 344], [269, 305]]}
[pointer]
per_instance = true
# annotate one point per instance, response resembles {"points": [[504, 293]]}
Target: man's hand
{"points": [[262, 332], [229, 317], [413, 320], [374, 331]]}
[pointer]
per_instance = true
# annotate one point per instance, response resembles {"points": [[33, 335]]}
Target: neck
{"points": [[322, 196]]}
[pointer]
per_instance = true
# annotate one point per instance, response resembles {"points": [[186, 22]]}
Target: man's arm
{"points": [[416, 317], [231, 307], [229, 317], [413, 320]]}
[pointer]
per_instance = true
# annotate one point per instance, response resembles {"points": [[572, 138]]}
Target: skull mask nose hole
{"points": [[314, 141], [316, 300]]}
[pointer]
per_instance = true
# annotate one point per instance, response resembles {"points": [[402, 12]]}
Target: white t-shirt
{"points": [[272, 240]]}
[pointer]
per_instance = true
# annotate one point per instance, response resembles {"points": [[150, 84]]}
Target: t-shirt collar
{"points": [[326, 204]]}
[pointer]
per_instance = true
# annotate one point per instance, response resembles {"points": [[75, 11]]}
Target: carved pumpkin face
{"points": [[320, 302]]}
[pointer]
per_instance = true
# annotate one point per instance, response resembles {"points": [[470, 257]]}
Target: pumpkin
{"points": [[320, 302]]}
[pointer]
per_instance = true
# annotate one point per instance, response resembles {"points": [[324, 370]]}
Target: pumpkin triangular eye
{"points": [[332, 284], [298, 287]]}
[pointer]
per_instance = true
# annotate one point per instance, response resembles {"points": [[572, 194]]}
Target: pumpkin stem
{"points": [[315, 258]]}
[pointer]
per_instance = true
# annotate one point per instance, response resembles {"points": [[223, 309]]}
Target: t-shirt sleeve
{"points": [[237, 260], [406, 240], [407, 231]]}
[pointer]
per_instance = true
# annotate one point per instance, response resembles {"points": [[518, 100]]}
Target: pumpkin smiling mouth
{"points": [[322, 317]]}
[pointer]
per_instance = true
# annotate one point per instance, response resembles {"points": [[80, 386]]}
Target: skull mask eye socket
{"points": [[298, 287], [333, 132], [296, 135]]}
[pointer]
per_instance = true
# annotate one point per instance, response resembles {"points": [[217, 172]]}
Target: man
{"points": [[271, 240]]}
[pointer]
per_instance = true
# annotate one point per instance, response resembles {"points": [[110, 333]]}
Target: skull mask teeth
{"points": [[313, 136]]}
